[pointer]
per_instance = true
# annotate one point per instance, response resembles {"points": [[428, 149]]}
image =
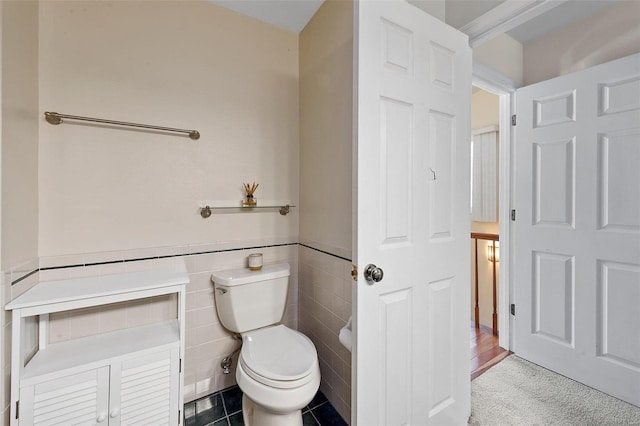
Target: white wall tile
{"points": [[84, 322], [325, 287], [139, 265], [207, 341], [113, 317], [58, 327], [24, 285], [138, 313], [206, 316]]}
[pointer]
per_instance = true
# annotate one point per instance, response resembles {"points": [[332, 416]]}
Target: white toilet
{"points": [[278, 369]]}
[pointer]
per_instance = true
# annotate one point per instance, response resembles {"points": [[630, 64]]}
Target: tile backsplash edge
{"points": [[23, 271], [330, 250], [47, 263]]}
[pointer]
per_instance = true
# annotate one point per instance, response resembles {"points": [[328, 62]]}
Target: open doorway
{"points": [[492, 108], [485, 232]]}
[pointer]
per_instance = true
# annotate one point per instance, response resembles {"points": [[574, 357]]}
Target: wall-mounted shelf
{"points": [[206, 211]]}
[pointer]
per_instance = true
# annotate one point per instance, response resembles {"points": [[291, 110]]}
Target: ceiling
{"points": [[566, 13], [461, 12], [293, 15]]}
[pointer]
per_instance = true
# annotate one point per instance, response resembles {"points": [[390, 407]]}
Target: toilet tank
{"points": [[247, 300]]}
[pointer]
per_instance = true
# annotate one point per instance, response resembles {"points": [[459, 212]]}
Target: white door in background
{"points": [[412, 163], [577, 272]]}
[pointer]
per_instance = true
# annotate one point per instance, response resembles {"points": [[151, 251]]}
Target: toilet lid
{"points": [[279, 353]]}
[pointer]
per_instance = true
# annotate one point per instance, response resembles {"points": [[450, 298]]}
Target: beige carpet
{"points": [[517, 392]]}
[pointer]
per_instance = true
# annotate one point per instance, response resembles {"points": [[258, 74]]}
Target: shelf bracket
{"points": [[205, 212], [284, 210]]}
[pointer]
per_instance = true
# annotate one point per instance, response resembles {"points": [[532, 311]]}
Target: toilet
{"points": [[277, 369]]}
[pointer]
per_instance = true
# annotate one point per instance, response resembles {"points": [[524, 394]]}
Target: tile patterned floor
{"points": [[224, 408]]}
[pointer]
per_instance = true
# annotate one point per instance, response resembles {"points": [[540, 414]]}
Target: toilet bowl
{"points": [[277, 369], [279, 375]]}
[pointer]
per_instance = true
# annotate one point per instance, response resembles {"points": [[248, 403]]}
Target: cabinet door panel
{"points": [[144, 390], [78, 399]]}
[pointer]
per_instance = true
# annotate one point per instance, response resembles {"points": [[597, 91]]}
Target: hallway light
{"points": [[493, 255]]}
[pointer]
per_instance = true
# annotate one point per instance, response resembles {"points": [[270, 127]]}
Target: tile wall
{"points": [[325, 287], [322, 288], [207, 342]]}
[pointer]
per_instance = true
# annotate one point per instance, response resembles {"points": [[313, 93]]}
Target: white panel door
{"points": [[413, 79], [78, 399], [577, 245], [144, 390]]}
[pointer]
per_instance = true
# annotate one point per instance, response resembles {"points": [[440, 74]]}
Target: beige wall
{"points": [[19, 132], [173, 63], [485, 110], [504, 54], [610, 34], [19, 167], [326, 57], [113, 194]]}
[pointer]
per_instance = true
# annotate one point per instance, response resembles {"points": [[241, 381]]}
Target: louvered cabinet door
{"points": [[144, 390], [78, 399]]}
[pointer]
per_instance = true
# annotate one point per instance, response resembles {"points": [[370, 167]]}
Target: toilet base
{"points": [[255, 415]]}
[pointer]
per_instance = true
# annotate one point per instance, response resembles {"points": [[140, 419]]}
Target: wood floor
{"points": [[485, 352]]}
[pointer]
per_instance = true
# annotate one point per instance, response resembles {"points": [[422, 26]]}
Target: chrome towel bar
{"points": [[56, 118]]}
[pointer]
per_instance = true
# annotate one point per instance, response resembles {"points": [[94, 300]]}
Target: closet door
{"points": [[144, 390], [76, 399]]}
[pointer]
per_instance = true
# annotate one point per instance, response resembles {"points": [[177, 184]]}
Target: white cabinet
{"points": [[125, 377], [135, 391], [74, 399]]}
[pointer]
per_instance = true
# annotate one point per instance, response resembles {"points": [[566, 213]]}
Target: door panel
{"points": [[395, 170], [618, 301], [81, 398], [412, 180], [618, 177], [553, 284], [554, 181], [441, 346], [395, 316], [578, 226], [441, 152], [143, 390]]}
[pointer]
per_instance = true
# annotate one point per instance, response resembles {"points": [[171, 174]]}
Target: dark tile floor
{"points": [[224, 408]]}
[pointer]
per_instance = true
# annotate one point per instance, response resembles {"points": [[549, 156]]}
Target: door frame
{"points": [[488, 79]]}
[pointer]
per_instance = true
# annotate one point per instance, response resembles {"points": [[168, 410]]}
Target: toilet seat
{"points": [[278, 356]]}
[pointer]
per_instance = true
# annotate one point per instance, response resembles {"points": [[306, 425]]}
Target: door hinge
{"points": [[180, 369], [513, 120], [513, 215], [513, 309], [17, 409]]}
